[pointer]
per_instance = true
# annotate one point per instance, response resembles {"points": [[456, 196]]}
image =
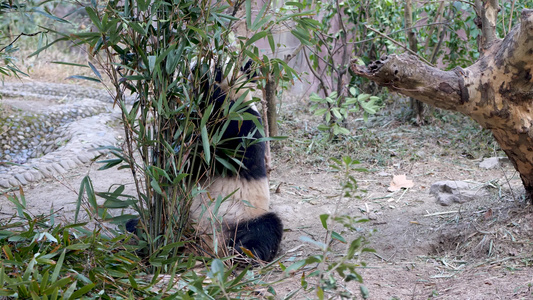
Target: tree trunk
{"points": [[270, 97], [496, 91], [417, 107]]}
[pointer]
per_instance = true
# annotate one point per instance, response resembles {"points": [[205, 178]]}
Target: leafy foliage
{"points": [[46, 260], [340, 110]]}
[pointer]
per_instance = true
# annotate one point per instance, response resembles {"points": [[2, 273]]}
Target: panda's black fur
{"points": [[247, 222]]}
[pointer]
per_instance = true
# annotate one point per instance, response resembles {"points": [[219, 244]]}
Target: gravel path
{"points": [[48, 129]]}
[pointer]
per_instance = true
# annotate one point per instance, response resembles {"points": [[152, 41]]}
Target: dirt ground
{"points": [[477, 250]]}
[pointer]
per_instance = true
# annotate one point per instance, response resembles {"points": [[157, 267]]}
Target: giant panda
{"points": [[246, 222]]}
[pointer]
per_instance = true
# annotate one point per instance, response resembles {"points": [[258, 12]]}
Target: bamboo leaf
{"points": [[205, 143], [82, 291], [94, 17], [256, 37], [95, 70], [58, 266], [323, 219], [271, 42], [69, 64], [248, 6], [82, 77]]}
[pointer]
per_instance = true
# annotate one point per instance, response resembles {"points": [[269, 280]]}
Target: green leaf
{"points": [[336, 113], [316, 98], [295, 266], [138, 28], [271, 42], [323, 127], [320, 293], [363, 97], [42, 12], [143, 4], [205, 143], [320, 111], [69, 64], [303, 37], [94, 17], [58, 266], [48, 46], [156, 187], [109, 163], [338, 237], [82, 291], [364, 291], [80, 246], [248, 6], [320, 245], [84, 78], [70, 291], [217, 269], [324, 219], [297, 4], [256, 37], [199, 31], [354, 245], [259, 22]]}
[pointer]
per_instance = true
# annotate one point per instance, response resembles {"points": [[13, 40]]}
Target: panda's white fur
{"points": [[255, 193]]}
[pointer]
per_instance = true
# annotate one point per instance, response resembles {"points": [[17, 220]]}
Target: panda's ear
{"points": [[249, 70]]}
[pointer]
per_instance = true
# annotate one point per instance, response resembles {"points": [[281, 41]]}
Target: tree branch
{"points": [[489, 14], [18, 36], [410, 76], [398, 44]]}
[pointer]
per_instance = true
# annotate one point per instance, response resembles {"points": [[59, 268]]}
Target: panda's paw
{"points": [[131, 225], [261, 236]]}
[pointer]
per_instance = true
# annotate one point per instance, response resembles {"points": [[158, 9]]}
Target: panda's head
{"points": [[229, 114], [226, 79]]}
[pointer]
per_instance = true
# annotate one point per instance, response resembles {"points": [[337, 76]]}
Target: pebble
{"points": [[45, 172], [84, 158], [59, 168], [13, 181], [28, 176], [21, 179], [4, 183], [64, 164], [36, 174]]}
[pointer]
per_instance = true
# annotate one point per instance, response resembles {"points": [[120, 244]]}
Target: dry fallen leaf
{"points": [[398, 182]]}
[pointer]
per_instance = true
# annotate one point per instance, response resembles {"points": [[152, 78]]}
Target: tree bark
{"points": [[496, 91], [417, 107], [488, 13]]}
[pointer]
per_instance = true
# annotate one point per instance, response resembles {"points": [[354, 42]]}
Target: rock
{"points": [[45, 172], [13, 181], [29, 177], [59, 168], [4, 183], [36, 174], [21, 179], [84, 158], [65, 164], [449, 192], [493, 162]]}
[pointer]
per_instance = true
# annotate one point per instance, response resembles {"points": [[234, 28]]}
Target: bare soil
{"points": [[476, 250]]}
